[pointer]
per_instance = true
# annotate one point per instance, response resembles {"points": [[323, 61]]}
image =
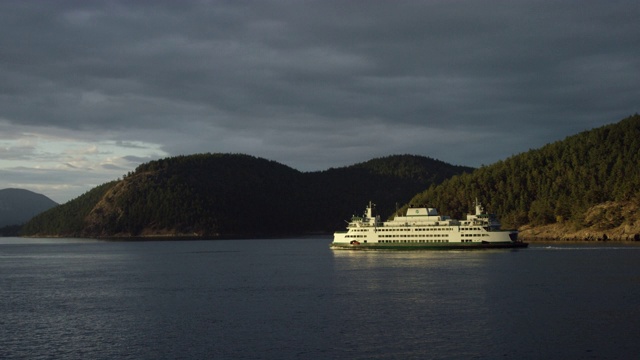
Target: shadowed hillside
{"points": [[585, 186], [226, 195]]}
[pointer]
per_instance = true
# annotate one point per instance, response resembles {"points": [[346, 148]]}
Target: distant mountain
{"points": [[17, 206], [586, 186], [229, 195]]}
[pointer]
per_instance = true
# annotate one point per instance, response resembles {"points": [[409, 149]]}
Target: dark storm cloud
{"points": [[322, 83]]}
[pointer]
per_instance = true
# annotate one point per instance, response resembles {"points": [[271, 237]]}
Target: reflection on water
{"points": [[555, 302], [43, 241], [430, 299], [409, 269], [411, 258]]}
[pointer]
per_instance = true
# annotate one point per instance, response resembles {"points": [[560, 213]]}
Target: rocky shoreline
{"points": [[559, 232], [609, 221]]}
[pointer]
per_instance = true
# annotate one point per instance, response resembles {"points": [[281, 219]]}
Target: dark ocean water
{"points": [[297, 299]]}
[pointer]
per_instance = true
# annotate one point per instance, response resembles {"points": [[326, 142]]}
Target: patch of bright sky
{"points": [[75, 166], [55, 153]]}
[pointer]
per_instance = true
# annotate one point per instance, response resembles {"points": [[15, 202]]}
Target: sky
{"points": [[89, 90]]}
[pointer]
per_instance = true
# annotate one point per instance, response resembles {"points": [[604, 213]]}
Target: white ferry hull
{"points": [[501, 240], [429, 246]]}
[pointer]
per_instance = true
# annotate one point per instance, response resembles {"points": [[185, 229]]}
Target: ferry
{"points": [[424, 228]]}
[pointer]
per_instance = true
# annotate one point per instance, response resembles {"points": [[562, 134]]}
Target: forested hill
{"points": [[585, 186], [228, 195]]}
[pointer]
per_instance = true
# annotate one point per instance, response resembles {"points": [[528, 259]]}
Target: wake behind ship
{"points": [[424, 228]]}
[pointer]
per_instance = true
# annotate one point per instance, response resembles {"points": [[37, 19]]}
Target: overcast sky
{"points": [[91, 89]]}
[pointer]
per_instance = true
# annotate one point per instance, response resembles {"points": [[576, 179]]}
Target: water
{"points": [[297, 299]]}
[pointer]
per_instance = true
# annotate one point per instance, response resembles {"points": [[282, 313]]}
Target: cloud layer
{"points": [[90, 89]]}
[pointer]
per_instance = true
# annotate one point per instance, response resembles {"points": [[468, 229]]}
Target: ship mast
{"points": [[479, 208], [370, 210]]}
